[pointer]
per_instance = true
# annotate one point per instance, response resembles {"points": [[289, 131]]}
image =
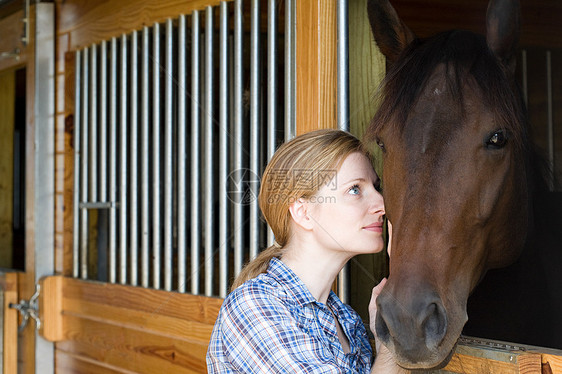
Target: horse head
{"points": [[452, 130]]}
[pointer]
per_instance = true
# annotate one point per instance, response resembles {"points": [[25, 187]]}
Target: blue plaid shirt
{"points": [[272, 324]]}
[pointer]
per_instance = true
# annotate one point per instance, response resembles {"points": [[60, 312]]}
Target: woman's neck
{"points": [[315, 266]]}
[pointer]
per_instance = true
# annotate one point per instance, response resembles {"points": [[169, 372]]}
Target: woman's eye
{"points": [[354, 190]]}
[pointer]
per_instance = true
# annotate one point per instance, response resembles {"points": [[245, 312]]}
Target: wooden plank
{"points": [[130, 349], [63, 254], [316, 63], [7, 111], [88, 22], [50, 308], [9, 286], [155, 302], [11, 29], [126, 329], [69, 363], [551, 364]]}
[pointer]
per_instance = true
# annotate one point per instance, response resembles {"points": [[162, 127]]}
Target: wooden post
{"points": [[316, 61]]}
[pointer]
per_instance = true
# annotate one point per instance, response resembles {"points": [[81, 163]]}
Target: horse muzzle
{"points": [[416, 327]]}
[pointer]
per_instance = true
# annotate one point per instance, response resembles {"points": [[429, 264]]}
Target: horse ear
{"points": [[391, 34], [502, 31]]}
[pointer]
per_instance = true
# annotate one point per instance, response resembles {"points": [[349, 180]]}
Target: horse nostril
{"points": [[381, 328], [434, 325]]}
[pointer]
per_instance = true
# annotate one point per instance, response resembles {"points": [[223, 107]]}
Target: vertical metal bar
{"points": [[156, 237], [343, 106], [195, 154], [254, 126], [103, 123], [271, 87], [290, 99], [93, 143], [145, 186], [123, 170], [112, 245], [524, 76], [223, 150], [238, 141], [133, 156], [343, 65], [182, 122], [84, 167], [168, 184], [550, 123], [209, 137], [77, 168]]}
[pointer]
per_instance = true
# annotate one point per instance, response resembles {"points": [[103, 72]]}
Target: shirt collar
{"points": [[290, 281]]}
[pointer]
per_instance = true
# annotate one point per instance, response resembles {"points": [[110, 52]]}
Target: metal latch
{"points": [[29, 309]]}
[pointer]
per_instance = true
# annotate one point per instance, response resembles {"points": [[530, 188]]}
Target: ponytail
{"points": [[257, 266]]}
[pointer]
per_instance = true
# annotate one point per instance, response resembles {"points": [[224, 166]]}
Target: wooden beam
{"points": [[316, 65], [9, 286], [88, 22], [125, 328]]}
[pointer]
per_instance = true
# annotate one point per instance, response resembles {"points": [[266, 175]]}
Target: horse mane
{"points": [[466, 58]]}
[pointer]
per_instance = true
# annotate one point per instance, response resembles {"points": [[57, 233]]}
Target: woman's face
{"points": [[348, 213]]}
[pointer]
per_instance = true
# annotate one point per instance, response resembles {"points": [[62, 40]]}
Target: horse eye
{"points": [[497, 140], [380, 144]]}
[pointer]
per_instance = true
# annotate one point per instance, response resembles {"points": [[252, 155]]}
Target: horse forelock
{"points": [[467, 59]]}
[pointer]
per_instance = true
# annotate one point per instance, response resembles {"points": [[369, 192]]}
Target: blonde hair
{"points": [[297, 170]]}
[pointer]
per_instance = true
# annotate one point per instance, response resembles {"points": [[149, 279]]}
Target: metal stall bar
{"points": [[103, 123], [84, 168], [133, 159], [93, 142], [77, 171], [112, 245], [254, 127], [223, 150], [237, 139], [271, 88], [145, 186], [209, 134], [168, 184], [182, 122], [290, 99], [195, 154], [343, 106], [156, 237], [123, 170]]}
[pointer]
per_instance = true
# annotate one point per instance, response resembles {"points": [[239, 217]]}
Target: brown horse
{"points": [[458, 179]]}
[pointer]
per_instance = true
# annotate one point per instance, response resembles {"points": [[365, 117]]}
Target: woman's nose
{"points": [[377, 203]]}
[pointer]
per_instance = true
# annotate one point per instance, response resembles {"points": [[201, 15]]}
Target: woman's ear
{"points": [[299, 212]]}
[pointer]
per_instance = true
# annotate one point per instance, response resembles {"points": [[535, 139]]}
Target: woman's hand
{"points": [[373, 310]]}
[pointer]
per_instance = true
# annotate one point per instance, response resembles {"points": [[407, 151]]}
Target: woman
{"points": [[319, 196]]}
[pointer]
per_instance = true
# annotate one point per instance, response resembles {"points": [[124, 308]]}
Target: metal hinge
{"points": [[29, 309]]}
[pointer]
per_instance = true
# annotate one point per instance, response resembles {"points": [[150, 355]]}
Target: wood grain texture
{"points": [[316, 65], [87, 21], [11, 30], [9, 286], [130, 329], [63, 253], [73, 364], [7, 118], [552, 363]]}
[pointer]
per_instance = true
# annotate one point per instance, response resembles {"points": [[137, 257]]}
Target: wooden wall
{"points": [[108, 328], [7, 106]]}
